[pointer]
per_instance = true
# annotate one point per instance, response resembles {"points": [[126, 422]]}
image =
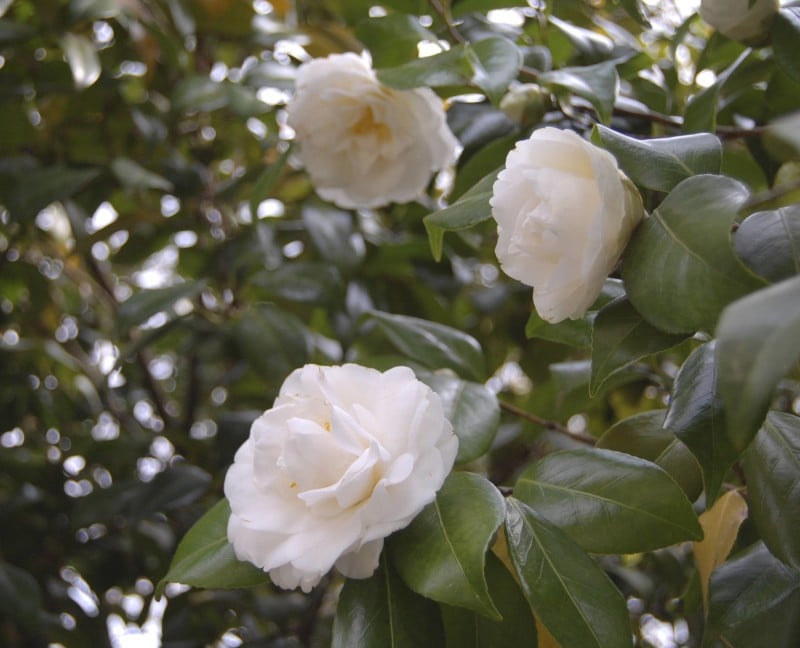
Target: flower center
{"points": [[368, 125]]}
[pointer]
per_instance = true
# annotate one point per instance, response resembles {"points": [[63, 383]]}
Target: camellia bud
{"points": [[526, 104], [741, 20]]}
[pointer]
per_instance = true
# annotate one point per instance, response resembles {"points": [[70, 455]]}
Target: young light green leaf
{"points": [[696, 417], [772, 468], [473, 410], [620, 337], [205, 558], [469, 210], [679, 269], [569, 593], [759, 341], [769, 243], [467, 629], [643, 435], [381, 612], [595, 83], [754, 601], [82, 58], [442, 553], [433, 345], [608, 502], [720, 524], [662, 163]]}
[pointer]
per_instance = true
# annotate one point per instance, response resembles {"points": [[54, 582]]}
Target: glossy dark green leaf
{"points": [[696, 417], [620, 337], [263, 186], [467, 629], [569, 593], [205, 558], [334, 236], [469, 210], [134, 176], [274, 342], [679, 269], [392, 40], [433, 345], [442, 553], [772, 469], [576, 332], [635, 10], [769, 243], [14, 32], [608, 502], [305, 282], [701, 110], [36, 189], [473, 410], [20, 595], [141, 306], [595, 83], [495, 63], [759, 341], [643, 435], [661, 163], [381, 612], [591, 45], [784, 36], [199, 94], [172, 488], [754, 602]]}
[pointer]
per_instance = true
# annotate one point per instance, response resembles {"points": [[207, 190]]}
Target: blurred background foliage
{"points": [[164, 265]]}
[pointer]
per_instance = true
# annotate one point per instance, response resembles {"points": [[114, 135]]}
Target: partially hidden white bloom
{"points": [[362, 143], [737, 19], [346, 456], [565, 213]]}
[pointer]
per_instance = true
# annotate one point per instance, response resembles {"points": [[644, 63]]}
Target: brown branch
{"points": [[554, 426], [440, 11]]}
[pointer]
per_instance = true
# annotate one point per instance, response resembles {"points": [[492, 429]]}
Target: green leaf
{"points": [[199, 94], [661, 163], [134, 176], [576, 332], [495, 64], [754, 602], [608, 502], [35, 189], [20, 595], [590, 45], [271, 340], [467, 629], [635, 10], [595, 83], [759, 341], [141, 306], [82, 58], [784, 35], [392, 40], [205, 558], [304, 282], [569, 593], [469, 210], [489, 64], [177, 486], [701, 110], [769, 243], [473, 410], [433, 345], [263, 186], [442, 553], [696, 417], [14, 32], [679, 269], [772, 469], [620, 337], [643, 435], [334, 235], [381, 612]]}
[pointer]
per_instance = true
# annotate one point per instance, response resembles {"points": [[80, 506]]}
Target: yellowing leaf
{"points": [[720, 525], [543, 636]]}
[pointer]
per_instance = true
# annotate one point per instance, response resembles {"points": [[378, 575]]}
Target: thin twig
{"points": [[439, 10], [545, 423]]}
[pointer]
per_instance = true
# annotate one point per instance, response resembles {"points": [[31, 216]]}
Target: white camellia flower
{"points": [[737, 19], [565, 213], [346, 456], [363, 144]]}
